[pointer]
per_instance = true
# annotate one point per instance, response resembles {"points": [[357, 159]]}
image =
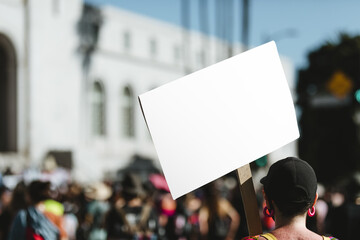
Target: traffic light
{"points": [[357, 95]]}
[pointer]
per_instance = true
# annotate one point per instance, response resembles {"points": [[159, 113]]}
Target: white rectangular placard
{"points": [[213, 121]]}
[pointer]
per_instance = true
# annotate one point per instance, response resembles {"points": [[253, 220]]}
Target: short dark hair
{"points": [[291, 209], [39, 191]]}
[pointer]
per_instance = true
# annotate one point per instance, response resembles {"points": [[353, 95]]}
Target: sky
{"points": [[297, 26]]}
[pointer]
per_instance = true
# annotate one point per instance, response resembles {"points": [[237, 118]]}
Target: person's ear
{"points": [[268, 205], [316, 198]]}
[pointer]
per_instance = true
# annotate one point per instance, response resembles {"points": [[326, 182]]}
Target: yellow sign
{"points": [[339, 84]]}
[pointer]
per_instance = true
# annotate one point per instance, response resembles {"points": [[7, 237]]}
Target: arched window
{"points": [[8, 96], [153, 48], [127, 41], [127, 112], [98, 109]]}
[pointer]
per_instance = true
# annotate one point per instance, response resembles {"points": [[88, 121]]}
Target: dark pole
{"points": [[218, 25], [185, 21], [27, 28], [230, 26], [204, 26], [245, 25]]}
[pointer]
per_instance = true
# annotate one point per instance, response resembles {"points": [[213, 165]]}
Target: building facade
{"points": [[70, 76]]}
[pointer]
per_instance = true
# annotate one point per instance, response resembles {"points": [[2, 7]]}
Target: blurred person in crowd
{"points": [[165, 206], [5, 211], [131, 216], [343, 217], [71, 209], [290, 194], [83, 228], [177, 220], [116, 201], [35, 221], [5, 198], [218, 219], [93, 225], [336, 220], [237, 202], [18, 202], [19, 199], [186, 219]]}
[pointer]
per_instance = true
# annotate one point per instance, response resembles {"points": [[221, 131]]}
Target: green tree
{"points": [[325, 88]]}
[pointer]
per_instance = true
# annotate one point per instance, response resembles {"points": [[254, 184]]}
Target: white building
{"points": [[53, 99]]}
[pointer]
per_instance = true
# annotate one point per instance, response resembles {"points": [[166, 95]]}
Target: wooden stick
{"points": [[249, 200]]}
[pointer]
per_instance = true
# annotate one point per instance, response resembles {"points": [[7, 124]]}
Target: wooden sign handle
{"points": [[249, 200]]}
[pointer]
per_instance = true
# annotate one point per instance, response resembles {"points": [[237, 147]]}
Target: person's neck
{"points": [[296, 226], [297, 222]]}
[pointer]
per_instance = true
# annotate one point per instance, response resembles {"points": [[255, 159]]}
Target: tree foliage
{"points": [[329, 138]]}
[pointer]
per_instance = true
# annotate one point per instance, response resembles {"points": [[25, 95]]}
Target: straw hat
{"points": [[98, 191]]}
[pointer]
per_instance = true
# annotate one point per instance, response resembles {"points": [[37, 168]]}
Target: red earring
{"points": [[268, 212], [311, 211]]}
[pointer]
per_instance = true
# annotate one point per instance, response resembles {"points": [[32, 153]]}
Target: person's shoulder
{"points": [[257, 237], [204, 212], [21, 215], [225, 204]]}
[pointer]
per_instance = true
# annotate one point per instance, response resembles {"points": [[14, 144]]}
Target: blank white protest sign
{"points": [[213, 121]]}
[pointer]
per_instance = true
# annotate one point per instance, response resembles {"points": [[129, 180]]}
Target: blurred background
{"points": [[71, 71]]}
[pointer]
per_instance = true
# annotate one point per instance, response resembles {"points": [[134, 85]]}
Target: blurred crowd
{"points": [[136, 208]]}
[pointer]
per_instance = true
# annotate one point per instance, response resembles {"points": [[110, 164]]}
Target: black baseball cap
{"points": [[290, 180]]}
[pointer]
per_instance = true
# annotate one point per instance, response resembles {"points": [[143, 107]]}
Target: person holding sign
{"points": [[290, 194]]}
